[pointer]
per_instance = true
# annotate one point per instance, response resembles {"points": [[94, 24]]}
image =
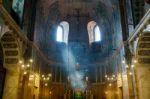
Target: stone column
{"points": [[143, 81], [96, 74], [131, 86], [11, 85], [142, 68]]}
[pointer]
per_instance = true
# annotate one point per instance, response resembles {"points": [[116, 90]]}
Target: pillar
{"points": [[143, 81], [11, 85], [142, 68]]}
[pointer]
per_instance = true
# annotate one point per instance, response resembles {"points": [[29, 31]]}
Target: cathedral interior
{"points": [[74, 49]]}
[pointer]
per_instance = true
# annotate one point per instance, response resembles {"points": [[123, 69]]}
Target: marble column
{"points": [[11, 85]]}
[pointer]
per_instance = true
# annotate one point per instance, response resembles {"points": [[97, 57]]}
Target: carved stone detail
{"points": [[144, 52], [145, 39], [144, 45], [11, 60], [144, 60], [11, 53]]}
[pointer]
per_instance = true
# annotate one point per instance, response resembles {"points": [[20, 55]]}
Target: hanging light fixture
{"points": [[50, 75], [20, 61], [31, 60], [42, 76], [46, 84], [132, 66], [25, 72], [135, 61], [114, 76], [48, 78], [110, 84], [123, 61], [28, 65], [22, 66], [108, 78], [130, 73], [127, 66]]}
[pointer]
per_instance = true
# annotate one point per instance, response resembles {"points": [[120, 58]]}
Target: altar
{"points": [[78, 95]]}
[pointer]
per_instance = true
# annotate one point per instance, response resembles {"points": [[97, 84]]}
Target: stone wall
{"points": [[11, 85], [143, 66]]}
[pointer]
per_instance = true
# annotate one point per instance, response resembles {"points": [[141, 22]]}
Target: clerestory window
{"points": [[62, 32]]}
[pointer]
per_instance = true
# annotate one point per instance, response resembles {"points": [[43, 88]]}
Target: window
{"points": [[93, 32], [59, 34], [97, 36], [62, 32]]}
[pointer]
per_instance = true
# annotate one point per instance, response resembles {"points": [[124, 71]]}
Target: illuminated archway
{"points": [[93, 32], [142, 68], [62, 32]]}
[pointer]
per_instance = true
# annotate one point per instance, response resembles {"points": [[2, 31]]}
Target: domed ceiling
{"points": [[78, 52], [78, 13]]}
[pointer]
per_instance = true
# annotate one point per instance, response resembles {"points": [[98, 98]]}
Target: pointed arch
{"points": [[62, 32], [59, 34], [93, 32], [97, 34]]}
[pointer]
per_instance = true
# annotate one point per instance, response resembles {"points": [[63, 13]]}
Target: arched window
{"points": [[59, 34], [93, 32], [62, 32], [97, 34]]}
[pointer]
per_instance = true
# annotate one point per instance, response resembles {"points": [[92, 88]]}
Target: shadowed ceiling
{"points": [[78, 14], [88, 57]]}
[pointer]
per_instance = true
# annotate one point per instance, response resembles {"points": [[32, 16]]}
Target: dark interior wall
{"points": [[8, 5], [107, 16], [28, 24], [16, 11], [78, 29], [46, 20], [29, 18], [137, 10], [2, 72]]}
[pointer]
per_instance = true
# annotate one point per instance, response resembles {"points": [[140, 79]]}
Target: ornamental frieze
{"points": [[144, 60], [144, 45], [144, 52]]}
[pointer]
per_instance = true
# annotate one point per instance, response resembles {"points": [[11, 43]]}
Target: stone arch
{"points": [[11, 50], [143, 49], [142, 70], [11, 55]]}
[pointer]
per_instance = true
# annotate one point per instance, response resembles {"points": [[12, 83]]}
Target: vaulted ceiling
{"points": [[104, 12], [78, 13]]}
